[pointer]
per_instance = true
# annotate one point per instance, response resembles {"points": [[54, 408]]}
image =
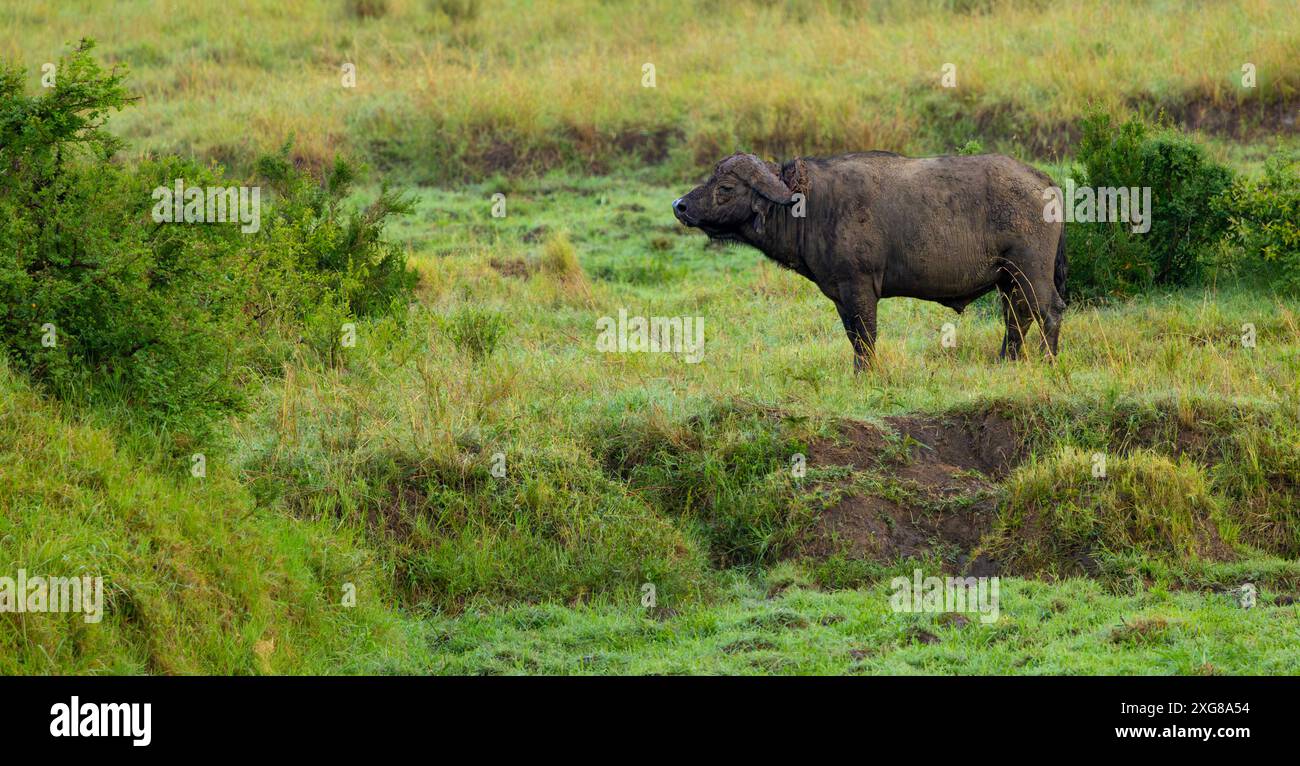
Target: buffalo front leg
{"points": [[857, 307]]}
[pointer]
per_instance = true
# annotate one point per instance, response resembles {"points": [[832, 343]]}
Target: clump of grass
{"points": [[559, 261], [475, 330], [1141, 631], [549, 526], [784, 576], [1059, 518], [1260, 475], [195, 580]]}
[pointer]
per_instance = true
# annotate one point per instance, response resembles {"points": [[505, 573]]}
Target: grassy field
{"points": [[460, 89], [497, 492]]}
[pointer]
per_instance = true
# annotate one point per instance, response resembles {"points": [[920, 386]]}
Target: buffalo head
{"points": [[739, 194]]}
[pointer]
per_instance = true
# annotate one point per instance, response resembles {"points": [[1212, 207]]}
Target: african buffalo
{"points": [[877, 225]]}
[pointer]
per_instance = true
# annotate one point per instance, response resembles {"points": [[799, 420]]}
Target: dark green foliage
{"points": [[1263, 241], [342, 249], [1106, 260], [102, 302], [1109, 258]]}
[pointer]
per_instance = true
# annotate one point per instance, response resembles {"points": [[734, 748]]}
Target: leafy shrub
{"points": [[101, 301], [1263, 241], [341, 252], [1186, 222], [1107, 260]]}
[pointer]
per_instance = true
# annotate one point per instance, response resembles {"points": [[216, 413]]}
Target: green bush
{"points": [[326, 264], [1186, 220], [102, 302], [1106, 260], [1263, 242]]}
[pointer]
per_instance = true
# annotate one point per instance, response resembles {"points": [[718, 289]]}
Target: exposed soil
{"points": [[651, 147], [499, 157], [519, 268], [940, 496]]}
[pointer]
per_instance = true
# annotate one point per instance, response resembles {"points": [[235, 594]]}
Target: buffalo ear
{"points": [[762, 179]]}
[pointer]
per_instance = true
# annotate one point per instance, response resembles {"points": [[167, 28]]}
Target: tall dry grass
{"points": [[461, 89]]}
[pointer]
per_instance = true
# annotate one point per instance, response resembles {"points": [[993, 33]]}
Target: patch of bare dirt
{"points": [[650, 146], [934, 489], [988, 443], [921, 636], [582, 145], [518, 268], [865, 526], [499, 157]]}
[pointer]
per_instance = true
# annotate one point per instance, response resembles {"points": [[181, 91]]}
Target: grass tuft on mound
{"points": [[1059, 515]]}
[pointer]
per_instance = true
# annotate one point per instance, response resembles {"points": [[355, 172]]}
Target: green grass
{"points": [[1071, 627]]}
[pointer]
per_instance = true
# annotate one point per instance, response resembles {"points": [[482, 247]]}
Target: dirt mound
{"points": [[924, 487]]}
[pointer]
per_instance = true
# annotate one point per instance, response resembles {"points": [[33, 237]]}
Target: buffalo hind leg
{"points": [[1052, 324], [1021, 309], [857, 309], [1017, 317]]}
